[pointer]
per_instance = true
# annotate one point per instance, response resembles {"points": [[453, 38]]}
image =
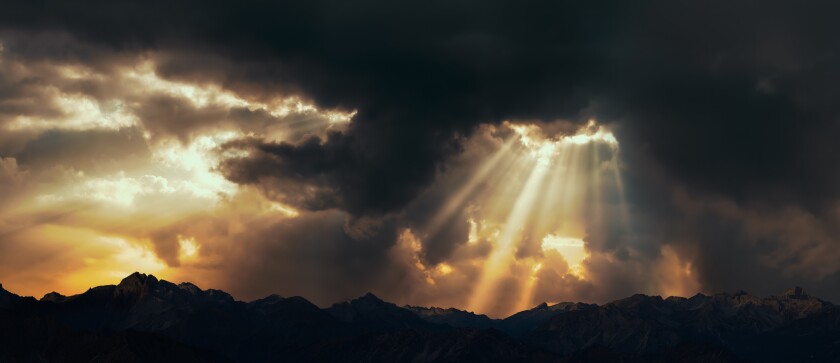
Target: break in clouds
{"points": [[475, 155]]}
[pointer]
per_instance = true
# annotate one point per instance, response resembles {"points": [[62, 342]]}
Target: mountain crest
{"points": [[3, 291], [138, 279], [268, 300], [796, 292], [369, 297], [54, 297], [9, 299], [190, 288], [136, 285]]}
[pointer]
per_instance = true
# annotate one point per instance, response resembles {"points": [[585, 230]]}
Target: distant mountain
{"points": [[525, 321], [143, 319], [453, 317], [373, 314], [514, 325], [792, 327]]}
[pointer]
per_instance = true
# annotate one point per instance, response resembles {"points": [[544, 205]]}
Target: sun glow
{"points": [[571, 248], [108, 258], [188, 248]]}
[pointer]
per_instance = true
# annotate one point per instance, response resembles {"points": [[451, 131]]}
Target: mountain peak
{"points": [[370, 295], [54, 297], [796, 292], [370, 309], [136, 284], [138, 278], [190, 288], [368, 298], [270, 299], [8, 299]]}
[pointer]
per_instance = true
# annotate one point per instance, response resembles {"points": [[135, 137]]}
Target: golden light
{"points": [[310, 118], [571, 248], [457, 201], [188, 248], [675, 275], [286, 210], [495, 265], [529, 283], [194, 164], [80, 113], [108, 213], [444, 269], [540, 190], [108, 258]]}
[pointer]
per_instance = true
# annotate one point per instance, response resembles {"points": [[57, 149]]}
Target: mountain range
{"points": [[144, 319]]}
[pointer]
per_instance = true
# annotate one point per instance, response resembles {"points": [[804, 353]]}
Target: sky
{"points": [[483, 155]]}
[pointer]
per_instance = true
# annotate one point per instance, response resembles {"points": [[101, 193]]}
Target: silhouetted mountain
{"points": [[139, 302], [525, 321], [453, 317], [373, 314], [792, 327], [54, 297], [9, 300], [143, 319], [207, 319], [514, 325]]}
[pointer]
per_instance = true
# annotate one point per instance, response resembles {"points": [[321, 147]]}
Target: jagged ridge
{"points": [[189, 321]]}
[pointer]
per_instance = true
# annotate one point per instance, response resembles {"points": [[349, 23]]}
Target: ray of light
{"points": [[504, 186], [547, 219], [526, 295], [506, 243], [571, 249], [619, 184], [457, 201], [597, 211], [571, 191], [550, 194]]}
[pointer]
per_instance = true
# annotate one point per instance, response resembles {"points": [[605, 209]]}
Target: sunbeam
{"points": [[457, 201], [506, 243], [552, 190]]}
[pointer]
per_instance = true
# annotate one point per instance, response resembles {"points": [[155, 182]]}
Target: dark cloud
{"points": [[414, 84], [178, 116], [300, 256], [342, 171]]}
